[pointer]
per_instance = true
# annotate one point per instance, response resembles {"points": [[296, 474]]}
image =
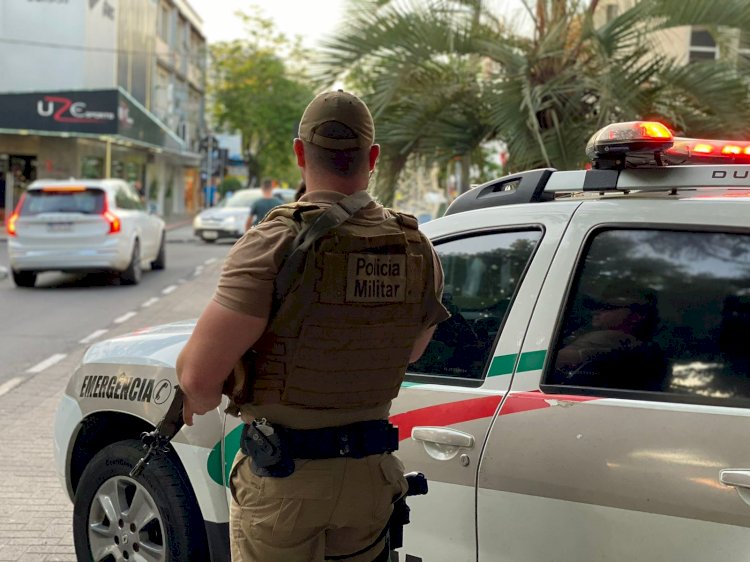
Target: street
{"points": [[44, 335]]}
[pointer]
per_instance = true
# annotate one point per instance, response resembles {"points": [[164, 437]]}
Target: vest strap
{"points": [[332, 217]]}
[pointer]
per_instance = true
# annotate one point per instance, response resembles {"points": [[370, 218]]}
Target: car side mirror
{"points": [[153, 208]]}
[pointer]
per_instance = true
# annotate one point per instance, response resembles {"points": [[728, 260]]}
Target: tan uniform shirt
{"points": [[247, 284]]}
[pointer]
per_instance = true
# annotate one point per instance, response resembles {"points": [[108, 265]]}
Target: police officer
{"points": [[316, 477]]}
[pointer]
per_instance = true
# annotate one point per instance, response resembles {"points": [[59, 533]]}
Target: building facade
{"points": [[688, 44], [103, 88]]}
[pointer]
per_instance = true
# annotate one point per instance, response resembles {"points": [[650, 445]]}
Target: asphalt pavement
{"points": [[35, 512]]}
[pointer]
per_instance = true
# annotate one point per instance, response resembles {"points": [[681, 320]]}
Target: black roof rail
{"points": [[526, 187]]}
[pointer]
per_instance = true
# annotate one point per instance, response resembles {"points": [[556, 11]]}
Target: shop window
{"points": [[659, 315], [92, 167], [482, 274]]}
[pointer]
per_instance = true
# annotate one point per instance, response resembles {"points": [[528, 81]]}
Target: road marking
{"points": [[149, 302], [10, 385], [39, 367], [169, 289], [198, 270], [125, 317], [209, 260], [92, 336]]}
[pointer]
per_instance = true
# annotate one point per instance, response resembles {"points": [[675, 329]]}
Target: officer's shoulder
{"points": [[290, 211], [407, 220]]}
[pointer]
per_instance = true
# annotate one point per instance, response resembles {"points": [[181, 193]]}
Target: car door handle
{"points": [[737, 477], [443, 436]]}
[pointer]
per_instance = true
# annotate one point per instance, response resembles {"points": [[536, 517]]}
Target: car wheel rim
{"points": [[125, 524], [137, 263]]}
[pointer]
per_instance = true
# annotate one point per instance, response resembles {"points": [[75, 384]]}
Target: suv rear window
{"points": [[51, 200], [662, 313]]}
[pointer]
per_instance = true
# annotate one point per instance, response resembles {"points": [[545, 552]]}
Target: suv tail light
{"points": [[111, 218], [10, 224]]}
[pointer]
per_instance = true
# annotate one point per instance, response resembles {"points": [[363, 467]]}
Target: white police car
{"points": [[589, 399]]}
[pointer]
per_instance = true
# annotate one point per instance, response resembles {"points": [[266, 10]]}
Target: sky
{"points": [[309, 19]]}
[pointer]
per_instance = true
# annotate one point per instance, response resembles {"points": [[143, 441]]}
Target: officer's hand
{"points": [[187, 411]]}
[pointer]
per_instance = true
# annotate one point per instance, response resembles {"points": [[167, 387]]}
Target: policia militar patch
{"points": [[376, 278]]}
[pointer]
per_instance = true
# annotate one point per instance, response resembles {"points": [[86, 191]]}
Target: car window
{"points": [[135, 198], [664, 314], [482, 274], [243, 199], [51, 200], [123, 199]]}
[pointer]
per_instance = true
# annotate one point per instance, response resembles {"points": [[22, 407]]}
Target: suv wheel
{"points": [[24, 278], [132, 275], [151, 517], [161, 258]]}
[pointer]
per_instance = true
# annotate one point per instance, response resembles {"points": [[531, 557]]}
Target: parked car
{"points": [[83, 226], [588, 399], [227, 218]]}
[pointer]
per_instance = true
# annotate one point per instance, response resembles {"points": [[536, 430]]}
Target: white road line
{"points": [[169, 289], [92, 336], [209, 260], [198, 270], [9, 385], [39, 367], [125, 317], [150, 301]]}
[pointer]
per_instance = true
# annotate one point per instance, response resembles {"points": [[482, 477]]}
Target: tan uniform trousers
{"points": [[328, 507]]}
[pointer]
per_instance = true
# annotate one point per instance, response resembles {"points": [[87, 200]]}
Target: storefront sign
{"points": [[82, 112]]}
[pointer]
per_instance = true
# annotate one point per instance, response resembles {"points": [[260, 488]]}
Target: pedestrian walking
{"points": [[331, 319], [262, 206]]}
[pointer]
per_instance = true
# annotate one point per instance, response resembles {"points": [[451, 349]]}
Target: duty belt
{"points": [[274, 448], [356, 440]]}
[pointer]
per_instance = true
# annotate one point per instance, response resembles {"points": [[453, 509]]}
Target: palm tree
{"points": [[445, 76]]}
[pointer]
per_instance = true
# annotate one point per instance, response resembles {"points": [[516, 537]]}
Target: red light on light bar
{"points": [[731, 149], [703, 148]]}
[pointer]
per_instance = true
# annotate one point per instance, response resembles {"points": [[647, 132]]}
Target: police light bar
{"points": [[615, 142], [706, 151]]}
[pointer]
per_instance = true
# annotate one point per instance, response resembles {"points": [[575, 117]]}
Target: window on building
{"points": [[482, 274], [660, 315], [164, 16], [613, 10], [702, 45], [743, 54]]}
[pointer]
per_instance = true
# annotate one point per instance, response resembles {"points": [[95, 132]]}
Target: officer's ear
{"points": [[374, 153], [299, 151]]}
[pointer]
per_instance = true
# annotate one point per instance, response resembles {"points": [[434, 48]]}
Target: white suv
{"points": [[588, 400], [83, 226]]}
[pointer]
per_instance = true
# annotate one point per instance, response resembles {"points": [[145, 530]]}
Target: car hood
{"points": [[219, 214], [155, 345]]}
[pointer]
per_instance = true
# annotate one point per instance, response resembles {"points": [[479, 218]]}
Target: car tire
{"points": [[132, 275], [161, 257], [108, 522], [208, 240], [24, 278]]}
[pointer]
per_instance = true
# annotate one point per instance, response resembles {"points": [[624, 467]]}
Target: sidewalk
{"points": [[35, 513]]}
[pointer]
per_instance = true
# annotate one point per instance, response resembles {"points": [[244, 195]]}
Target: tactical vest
{"points": [[343, 335]]}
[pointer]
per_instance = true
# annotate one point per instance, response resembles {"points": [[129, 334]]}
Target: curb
{"points": [[179, 224]]}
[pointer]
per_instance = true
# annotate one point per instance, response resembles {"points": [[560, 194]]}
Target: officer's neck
{"points": [[328, 182]]}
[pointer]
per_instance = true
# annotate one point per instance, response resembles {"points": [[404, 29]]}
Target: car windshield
{"points": [[240, 199], [50, 200]]}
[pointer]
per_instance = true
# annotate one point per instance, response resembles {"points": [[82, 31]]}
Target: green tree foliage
{"points": [[258, 92], [444, 76]]}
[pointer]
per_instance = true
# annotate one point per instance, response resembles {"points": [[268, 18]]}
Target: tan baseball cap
{"points": [[344, 108]]}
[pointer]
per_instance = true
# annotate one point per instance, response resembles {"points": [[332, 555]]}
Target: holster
{"points": [[270, 454], [238, 385]]}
